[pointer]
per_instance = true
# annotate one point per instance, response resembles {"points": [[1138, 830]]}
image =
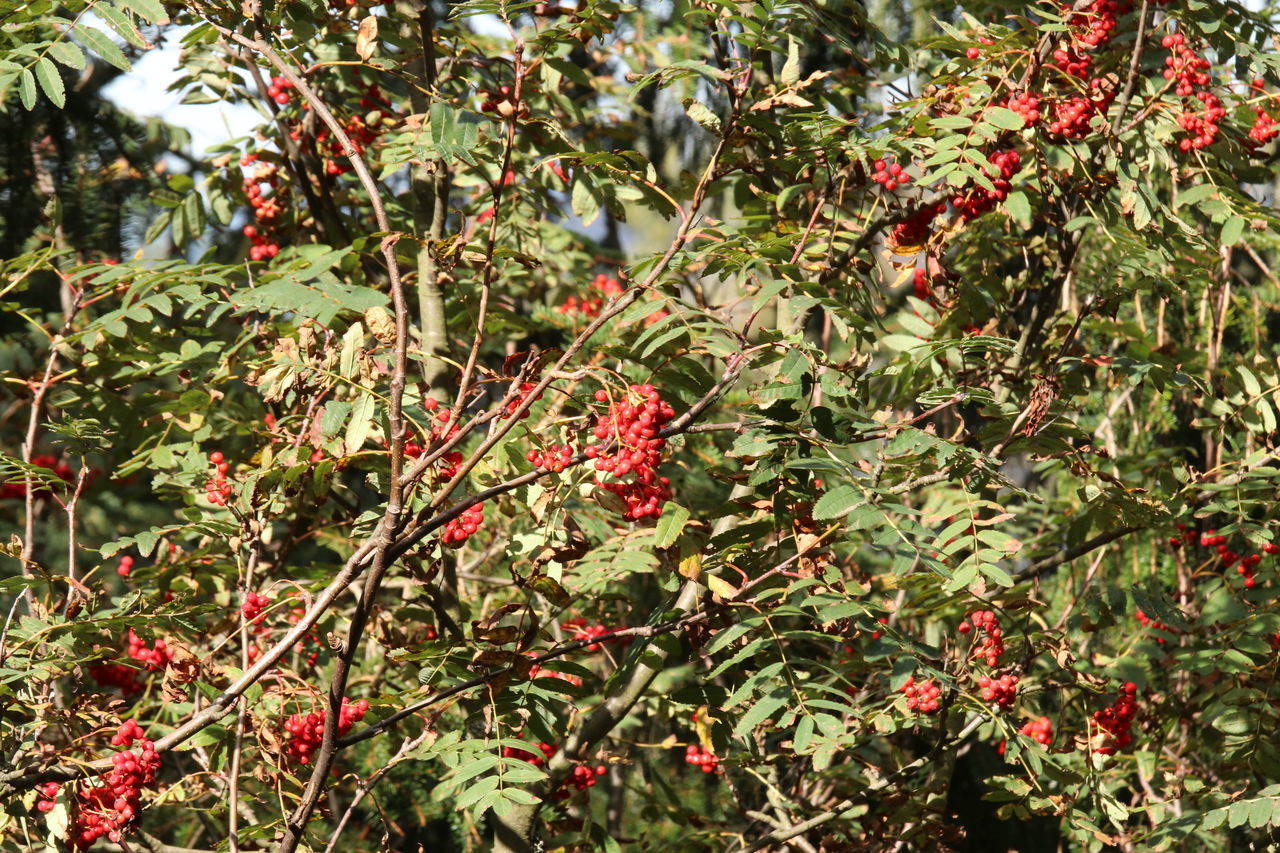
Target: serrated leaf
{"points": [[119, 22], [837, 502], [1232, 230], [670, 525], [51, 84], [151, 11], [1019, 208], [361, 423], [68, 54], [1003, 118], [702, 115], [27, 89]]}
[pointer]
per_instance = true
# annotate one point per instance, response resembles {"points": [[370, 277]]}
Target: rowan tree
{"points": [[809, 426]]}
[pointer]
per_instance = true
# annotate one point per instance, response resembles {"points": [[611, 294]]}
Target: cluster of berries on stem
{"points": [[129, 679], [889, 175], [267, 204], [460, 529], [702, 758], [580, 629], [922, 697], [553, 458], [1189, 72], [989, 640], [216, 488], [1147, 622], [441, 431], [1265, 127], [630, 446], [279, 90], [976, 201], [362, 130], [1039, 730], [305, 731], [107, 807], [1116, 722], [1002, 690]]}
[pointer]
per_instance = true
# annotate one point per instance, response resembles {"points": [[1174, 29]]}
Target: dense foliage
{"points": [[676, 426]]}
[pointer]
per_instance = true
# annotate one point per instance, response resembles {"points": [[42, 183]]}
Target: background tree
{"points": [[693, 426]]}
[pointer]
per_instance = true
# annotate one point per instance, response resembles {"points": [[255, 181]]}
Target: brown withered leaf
{"points": [[184, 667], [367, 38], [497, 636], [1042, 396], [549, 588]]}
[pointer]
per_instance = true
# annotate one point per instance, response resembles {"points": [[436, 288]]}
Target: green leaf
{"points": [[119, 22], [670, 525], [151, 11], [27, 89], [68, 54], [1232, 230], [837, 502], [1019, 208], [51, 82], [361, 423], [1003, 118]]}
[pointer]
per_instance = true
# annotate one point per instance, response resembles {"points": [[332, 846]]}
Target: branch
{"points": [[1043, 567]]}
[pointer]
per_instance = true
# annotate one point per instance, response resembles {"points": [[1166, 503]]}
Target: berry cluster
{"points": [[1039, 730], [989, 642], [109, 806], [516, 403], [362, 130], [580, 629], [923, 286], [216, 488], [630, 446], [448, 464], [47, 792], [305, 731], [460, 529], [702, 758], [1265, 127], [914, 231], [547, 750], [1026, 105], [128, 678], [279, 90], [582, 777], [975, 202], [1245, 565], [536, 671], [976, 52], [1188, 70], [1091, 28], [125, 566], [1147, 622], [923, 697], [268, 206], [605, 286], [554, 459], [1072, 116], [889, 175], [1116, 722], [1003, 691], [254, 608]]}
